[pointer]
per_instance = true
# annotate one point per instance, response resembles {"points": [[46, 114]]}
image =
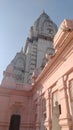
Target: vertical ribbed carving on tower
{"points": [[39, 41]]}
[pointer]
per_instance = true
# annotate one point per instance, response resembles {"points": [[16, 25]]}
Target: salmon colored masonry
{"points": [[46, 104]]}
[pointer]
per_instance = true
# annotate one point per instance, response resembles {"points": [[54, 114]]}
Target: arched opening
{"points": [[15, 122]]}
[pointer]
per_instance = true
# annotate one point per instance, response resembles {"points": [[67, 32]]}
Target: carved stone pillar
{"points": [[48, 123], [38, 116], [64, 119]]}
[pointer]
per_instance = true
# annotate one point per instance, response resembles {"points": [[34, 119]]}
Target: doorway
{"points": [[15, 122]]}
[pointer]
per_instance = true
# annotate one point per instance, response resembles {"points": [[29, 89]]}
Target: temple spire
{"points": [[21, 50]]}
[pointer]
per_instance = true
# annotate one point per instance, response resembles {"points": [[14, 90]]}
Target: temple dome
{"points": [[41, 19], [43, 25]]}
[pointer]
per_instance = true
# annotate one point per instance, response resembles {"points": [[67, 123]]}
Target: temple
{"points": [[36, 92]]}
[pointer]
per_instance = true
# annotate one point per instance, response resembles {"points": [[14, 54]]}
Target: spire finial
{"points": [[43, 11]]}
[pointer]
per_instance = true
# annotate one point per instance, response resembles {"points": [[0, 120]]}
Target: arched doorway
{"points": [[15, 122]]}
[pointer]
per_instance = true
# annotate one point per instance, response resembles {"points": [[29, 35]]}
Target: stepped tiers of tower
{"points": [[36, 92]]}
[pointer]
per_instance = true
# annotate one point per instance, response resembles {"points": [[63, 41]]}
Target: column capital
{"points": [[61, 84]]}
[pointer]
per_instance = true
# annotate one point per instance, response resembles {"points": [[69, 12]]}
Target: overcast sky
{"points": [[16, 18]]}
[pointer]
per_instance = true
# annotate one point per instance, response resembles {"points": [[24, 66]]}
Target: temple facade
{"points": [[36, 92]]}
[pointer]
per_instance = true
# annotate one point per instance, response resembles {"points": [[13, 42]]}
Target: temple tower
{"points": [[39, 42]]}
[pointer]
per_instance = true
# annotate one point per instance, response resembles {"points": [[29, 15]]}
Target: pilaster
{"points": [[48, 122], [38, 115], [64, 119]]}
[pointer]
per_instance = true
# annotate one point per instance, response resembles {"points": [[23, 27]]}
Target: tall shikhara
{"points": [[38, 43]]}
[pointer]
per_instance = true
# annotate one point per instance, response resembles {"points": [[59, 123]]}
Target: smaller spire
{"points": [[21, 50]]}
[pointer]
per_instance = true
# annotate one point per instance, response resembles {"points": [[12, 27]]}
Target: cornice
{"points": [[63, 32], [8, 92]]}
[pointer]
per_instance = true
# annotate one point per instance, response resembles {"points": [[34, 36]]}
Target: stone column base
{"points": [[65, 123], [48, 124]]}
